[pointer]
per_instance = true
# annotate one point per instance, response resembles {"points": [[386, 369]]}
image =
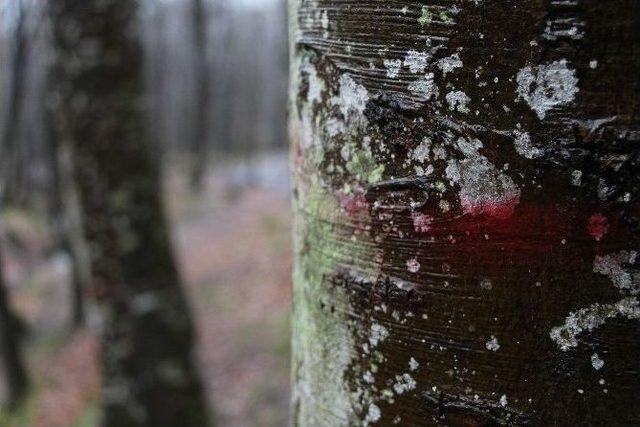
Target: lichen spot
{"points": [[458, 101], [547, 86], [492, 344], [426, 18], [413, 364], [421, 222], [413, 265], [404, 383], [503, 400], [373, 414], [596, 362]]}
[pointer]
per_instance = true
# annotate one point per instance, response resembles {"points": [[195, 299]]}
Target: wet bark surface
{"points": [[148, 375], [467, 212]]}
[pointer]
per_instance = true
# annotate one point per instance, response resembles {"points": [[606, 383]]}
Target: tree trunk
{"points": [[467, 216], [66, 224], [11, 332], [148, 375], [12, 191], [199, 142]]}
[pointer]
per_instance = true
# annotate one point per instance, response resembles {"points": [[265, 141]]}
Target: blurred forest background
{"points": [[216, 72]]}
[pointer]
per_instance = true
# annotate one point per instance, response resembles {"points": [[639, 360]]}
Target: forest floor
{"points": [[233, 247]]}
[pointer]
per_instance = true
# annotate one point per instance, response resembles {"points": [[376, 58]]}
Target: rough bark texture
{"points": [[466, 196], [149, 378]]}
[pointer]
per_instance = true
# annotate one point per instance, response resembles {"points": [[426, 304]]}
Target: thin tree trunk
{"points": [[199, 143], [148, 375], [12, 163], [467, 212], [66, 224], [11, 332]]}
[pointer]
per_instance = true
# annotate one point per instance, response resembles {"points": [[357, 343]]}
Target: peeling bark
{"points": [[467, 212]]}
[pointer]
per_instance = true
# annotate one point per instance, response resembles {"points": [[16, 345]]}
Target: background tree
{"points": [[11, 334], [149, 378], [466, 194], [12, 164], [199, 142]]}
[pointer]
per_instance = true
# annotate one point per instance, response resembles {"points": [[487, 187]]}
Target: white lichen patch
{"points": [[576, 178], [613, 266], [483, 187], [503, 400], [404, 383], [373, 414], [324, 20], [590, 318], [393, 67], [413, 364], [378, 334], [352, 97], [416, 61], [524, 147], [492, 344], [596, 362], [413, 265], [449, 63], [425, 87], [547, 86], [368, 377], [316, 85], [458, 101], [421, 152]]}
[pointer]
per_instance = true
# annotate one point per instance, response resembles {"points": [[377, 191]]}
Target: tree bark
{"points": [[199, 143], [12, 191], [66, 224], [467, 216], [11, 334], [148, 375]]}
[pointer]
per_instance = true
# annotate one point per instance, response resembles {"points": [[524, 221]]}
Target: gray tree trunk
{"points": [[199, 140], [12, 173], [65, 216], [148, 375], [467, 212], [11, 335]]}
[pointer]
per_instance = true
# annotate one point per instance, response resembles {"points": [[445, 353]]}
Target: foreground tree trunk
{"points": [[467, 216], [11, 334], [148, 375]]}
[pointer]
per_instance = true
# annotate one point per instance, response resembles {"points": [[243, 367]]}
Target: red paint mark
{"points": [[353, 204], [598, 226], [421, 222], [502, 209]]}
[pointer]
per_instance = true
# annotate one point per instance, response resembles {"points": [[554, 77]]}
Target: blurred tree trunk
{"points": [[12, 163], [67, 224], [199, 142], [11, 333], [148, 373], [467, 212]]}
